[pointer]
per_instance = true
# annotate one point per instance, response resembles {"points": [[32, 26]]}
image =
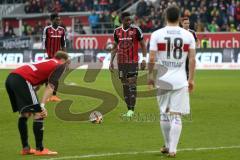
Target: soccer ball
{"points": [[96, 117]]}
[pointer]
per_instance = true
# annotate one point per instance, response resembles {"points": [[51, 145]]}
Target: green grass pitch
{"points": [[213, 133]]}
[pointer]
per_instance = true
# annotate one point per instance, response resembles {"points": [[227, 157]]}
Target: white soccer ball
{"points": [[96, 117]]}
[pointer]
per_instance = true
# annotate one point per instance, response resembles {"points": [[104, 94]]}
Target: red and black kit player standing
{"points": [[20, 86], [185, 23], [54, 39], [126, 39]]}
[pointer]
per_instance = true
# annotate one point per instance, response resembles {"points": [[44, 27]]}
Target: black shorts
{"points": [[21, 94], [127, 70]]}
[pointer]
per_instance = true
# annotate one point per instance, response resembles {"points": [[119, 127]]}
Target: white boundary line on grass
{"points": [[139, 152]]}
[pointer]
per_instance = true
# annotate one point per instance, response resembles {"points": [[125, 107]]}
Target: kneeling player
{"points": [[20, 87]]}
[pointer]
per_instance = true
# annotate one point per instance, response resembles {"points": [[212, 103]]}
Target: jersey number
{"points": [[177, 49], [33, 67]]}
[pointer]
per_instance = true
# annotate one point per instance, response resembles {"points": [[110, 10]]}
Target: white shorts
{"points": [[174, 100]]}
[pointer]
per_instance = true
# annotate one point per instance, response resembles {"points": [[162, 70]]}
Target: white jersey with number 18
{"points": [[172, 44]]}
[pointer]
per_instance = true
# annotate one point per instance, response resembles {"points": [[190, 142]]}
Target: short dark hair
{"points": [[125, 14], [61, 55], [172, 13], [53, 16]]}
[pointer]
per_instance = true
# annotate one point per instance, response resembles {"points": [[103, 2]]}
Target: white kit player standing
{"points": [[169, 48]]}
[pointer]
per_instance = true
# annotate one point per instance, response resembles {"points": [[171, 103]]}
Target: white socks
{"points": [[171, 126], [165, 127]]}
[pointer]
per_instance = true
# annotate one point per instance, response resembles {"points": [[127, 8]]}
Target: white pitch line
{"points": [[139, 152]]}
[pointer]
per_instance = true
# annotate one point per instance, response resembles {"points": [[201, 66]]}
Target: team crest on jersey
{"points": [[60, 32]]}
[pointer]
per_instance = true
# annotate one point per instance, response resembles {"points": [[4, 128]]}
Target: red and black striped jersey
{"points": [[127, 42], [53, 40], [194, 34]]}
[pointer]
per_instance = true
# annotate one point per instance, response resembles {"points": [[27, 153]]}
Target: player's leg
{"points": [[16, 86], [175, 132], [131, 74], [179, 105], [122, 71], [30, 97], [125, 86], [132, 86], [163, 102]]}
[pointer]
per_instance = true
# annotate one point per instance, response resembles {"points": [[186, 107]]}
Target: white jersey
{"points": [[172, 44]]}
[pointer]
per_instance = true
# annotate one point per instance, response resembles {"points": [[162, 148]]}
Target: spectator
{"points": [[103, 5], [95, 5], [93, 20], [57, 7], [146, 25], [39, 28], [8, 30], [141, 9], [35, 7], [115, 19], [24, 28], [79, 27], [105, 23], [213, 27], [65, 5], [233, 28], [237, 12], [27, 7], [72, 7], [80, 5]]}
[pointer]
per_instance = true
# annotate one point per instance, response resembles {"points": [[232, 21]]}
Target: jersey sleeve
{"points": [[192, 42], [63, 39], [115, 36], [139, 34], [56, 75], [153, 43], [44, 37]]}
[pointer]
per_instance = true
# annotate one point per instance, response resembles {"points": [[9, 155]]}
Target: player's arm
{"points": [[144, 52], [192, 63], [151, 65], [53, 82], [63, 41], [143, 47], [44, 37], [113, 51], [152, 58], [113, 55]]}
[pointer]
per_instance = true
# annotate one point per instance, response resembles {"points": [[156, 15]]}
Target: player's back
{"points": [[38, 73], [172, 44]]}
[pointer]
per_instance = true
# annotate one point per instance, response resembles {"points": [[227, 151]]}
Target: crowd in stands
{"points": [[43, 6], [204, 15]]}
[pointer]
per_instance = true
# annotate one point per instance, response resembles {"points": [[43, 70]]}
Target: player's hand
{"points": [[190, 85], [151, 83], [143, 65], [44, 113], [111, 67]]}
